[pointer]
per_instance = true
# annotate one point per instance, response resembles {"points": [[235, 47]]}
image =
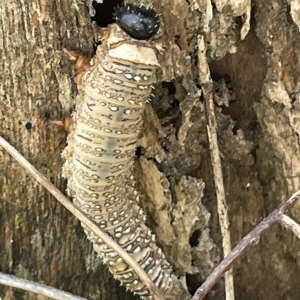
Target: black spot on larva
{"points": [[28, 125], [139, 22]]}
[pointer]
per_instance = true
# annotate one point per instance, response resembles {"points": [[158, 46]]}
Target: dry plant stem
{"points": [[36, 288], [80, 216], [207, 89], [250, 239], [288, 223]]}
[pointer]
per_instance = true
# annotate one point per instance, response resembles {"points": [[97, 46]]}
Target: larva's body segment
{"points": [[100, 153]]}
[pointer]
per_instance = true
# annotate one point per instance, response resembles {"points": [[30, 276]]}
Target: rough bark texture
{"points": [[40, 240], [257, 94]]}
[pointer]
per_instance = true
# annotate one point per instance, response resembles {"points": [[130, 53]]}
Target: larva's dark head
{"points": [[139, 22]]}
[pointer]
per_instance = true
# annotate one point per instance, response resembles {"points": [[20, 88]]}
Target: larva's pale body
{"points": [[100, 153]]}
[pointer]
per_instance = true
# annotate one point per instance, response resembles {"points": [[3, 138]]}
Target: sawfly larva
{"points": [[113, 90]]}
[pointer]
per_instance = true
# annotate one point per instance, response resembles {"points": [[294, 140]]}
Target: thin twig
{"points": [[36, 288], [84, 220], [290, 224], [250, 239], [207, 89]]}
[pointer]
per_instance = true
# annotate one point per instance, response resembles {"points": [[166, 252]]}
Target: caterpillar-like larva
{"points": [[113, 90]]}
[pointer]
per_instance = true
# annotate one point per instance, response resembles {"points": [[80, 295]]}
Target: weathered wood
{"points": [[40, 239]]}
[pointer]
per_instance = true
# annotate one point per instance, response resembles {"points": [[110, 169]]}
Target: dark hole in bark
{"points": [[194, 238], [28, 125], [105, 11]]}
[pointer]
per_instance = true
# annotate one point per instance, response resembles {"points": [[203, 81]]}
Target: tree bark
{"points": [[40, 240], [256, 90]]}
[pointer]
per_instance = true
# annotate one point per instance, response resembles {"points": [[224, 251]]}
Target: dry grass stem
{"points": [[207, 90], [36, 288], [84, 220]]}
